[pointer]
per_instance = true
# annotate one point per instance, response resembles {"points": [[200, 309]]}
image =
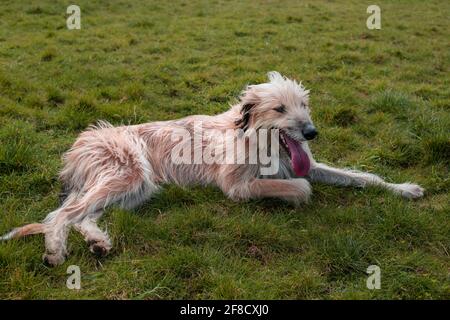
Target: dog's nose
{"points": [[309, 131]]}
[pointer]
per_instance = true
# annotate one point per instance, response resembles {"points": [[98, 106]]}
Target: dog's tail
{"points": [[32, 228]]}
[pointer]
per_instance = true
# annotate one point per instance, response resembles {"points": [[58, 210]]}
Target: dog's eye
{"points": [[280, 109]]}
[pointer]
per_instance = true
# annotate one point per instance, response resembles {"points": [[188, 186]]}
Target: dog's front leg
{"points": [[342, 177], [293, 190]]}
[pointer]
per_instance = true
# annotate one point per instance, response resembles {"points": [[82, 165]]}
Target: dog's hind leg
{"points": [[74, 210], [125, 190], [342, 177]]}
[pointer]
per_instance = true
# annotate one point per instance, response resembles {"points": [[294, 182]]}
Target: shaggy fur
{"points": [[125, 165]]}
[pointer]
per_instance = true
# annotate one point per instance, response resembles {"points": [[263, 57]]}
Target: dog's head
{"points": [[280, 104]]}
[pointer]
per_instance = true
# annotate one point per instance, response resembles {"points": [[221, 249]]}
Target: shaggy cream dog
{"points": [[126, 165]]}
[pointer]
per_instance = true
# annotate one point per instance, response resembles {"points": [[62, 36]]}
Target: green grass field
{"points": [[380, 99]]}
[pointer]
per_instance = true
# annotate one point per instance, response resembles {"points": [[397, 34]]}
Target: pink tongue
{"points": [[299, 159]]}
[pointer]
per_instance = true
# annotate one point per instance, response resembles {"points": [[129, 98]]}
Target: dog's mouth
{"points": [[299, 159]]}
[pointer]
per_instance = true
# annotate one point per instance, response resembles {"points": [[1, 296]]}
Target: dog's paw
{"points": [[52, 259], [100, 248], [303, 193], [410, 190]]}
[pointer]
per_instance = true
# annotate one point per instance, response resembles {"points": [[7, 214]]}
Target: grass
{"points": [[380, 99]]}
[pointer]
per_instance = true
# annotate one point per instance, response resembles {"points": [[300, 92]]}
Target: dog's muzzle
{"points": [[309, 131]]}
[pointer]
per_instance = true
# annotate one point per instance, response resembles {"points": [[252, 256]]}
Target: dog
{"points": [[126, 165]]}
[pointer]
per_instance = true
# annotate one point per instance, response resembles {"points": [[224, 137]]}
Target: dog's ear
{"points": [[248, 100], [275, 76], [243, 122]]}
